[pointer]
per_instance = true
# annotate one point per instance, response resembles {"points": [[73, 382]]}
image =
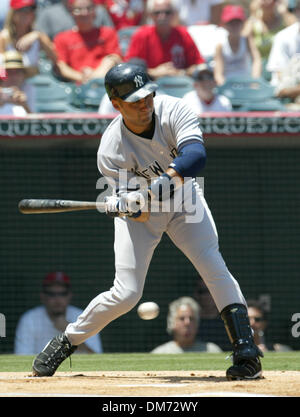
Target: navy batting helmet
{"points": [[129, 82]]}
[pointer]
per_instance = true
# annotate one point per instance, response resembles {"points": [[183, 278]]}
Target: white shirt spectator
{"points": [[13, 110], [218, 104], [236, 63], [173, 347], [198, 11], [35, 329], [286, 44], [200, 34]]}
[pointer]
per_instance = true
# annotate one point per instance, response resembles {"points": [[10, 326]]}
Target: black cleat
{"points": [[245, 369], [53, 354], [246, 362]]}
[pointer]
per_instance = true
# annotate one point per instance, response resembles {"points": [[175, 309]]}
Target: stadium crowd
{"points": [[70, 43]]}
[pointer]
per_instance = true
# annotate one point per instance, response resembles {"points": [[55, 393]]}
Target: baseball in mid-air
{"points": [[148, 311]]}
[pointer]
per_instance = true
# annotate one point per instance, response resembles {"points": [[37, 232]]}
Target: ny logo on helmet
{"points": [[138, 81]]}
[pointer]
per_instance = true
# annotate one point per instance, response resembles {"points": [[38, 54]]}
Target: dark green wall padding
{"points": [[252, 193]]}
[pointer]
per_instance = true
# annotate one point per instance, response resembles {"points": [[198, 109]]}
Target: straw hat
{"points": [[14, 60]]}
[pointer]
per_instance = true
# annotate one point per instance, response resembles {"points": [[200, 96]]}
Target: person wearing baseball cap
{"points": [[204, 98], [56, 278], [232, 12], [40, 323], [235, 55], [20, 4]]}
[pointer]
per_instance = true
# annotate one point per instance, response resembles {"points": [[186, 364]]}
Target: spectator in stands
{"points": [[126, 13], [18, 33], [259, 324], [167, 50], [266, 19], [193, 12], [86, 52], [203, 98], [13, 100], [284, 62], [182, 325], [48, 22], [39, 324], [236, 55]]}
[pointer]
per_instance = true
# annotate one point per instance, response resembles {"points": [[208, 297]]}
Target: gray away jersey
{"points": [[120, 148]]}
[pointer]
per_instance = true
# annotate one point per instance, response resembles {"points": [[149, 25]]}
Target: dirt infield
{"points": [[152, 384]]}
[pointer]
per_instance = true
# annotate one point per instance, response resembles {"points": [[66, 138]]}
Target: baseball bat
{"points": [[40, 206]]}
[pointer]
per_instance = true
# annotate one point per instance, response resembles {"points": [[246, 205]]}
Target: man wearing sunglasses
{"points": [[166, 49], [48, 22], [86, 52], [40, 323], [259, 324]]}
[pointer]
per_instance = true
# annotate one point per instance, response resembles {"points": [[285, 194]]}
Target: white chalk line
{"points": [[153, 385], [195, 394], [163, 385], [226, 394]]}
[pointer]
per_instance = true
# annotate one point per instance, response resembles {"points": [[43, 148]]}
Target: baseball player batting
{"points": [[157, 139]]}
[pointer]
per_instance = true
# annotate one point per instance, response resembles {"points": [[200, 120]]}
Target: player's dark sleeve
{"points": [[190, 160]]}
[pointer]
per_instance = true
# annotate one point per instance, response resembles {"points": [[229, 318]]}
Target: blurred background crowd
{"points": [[54, 54]]}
